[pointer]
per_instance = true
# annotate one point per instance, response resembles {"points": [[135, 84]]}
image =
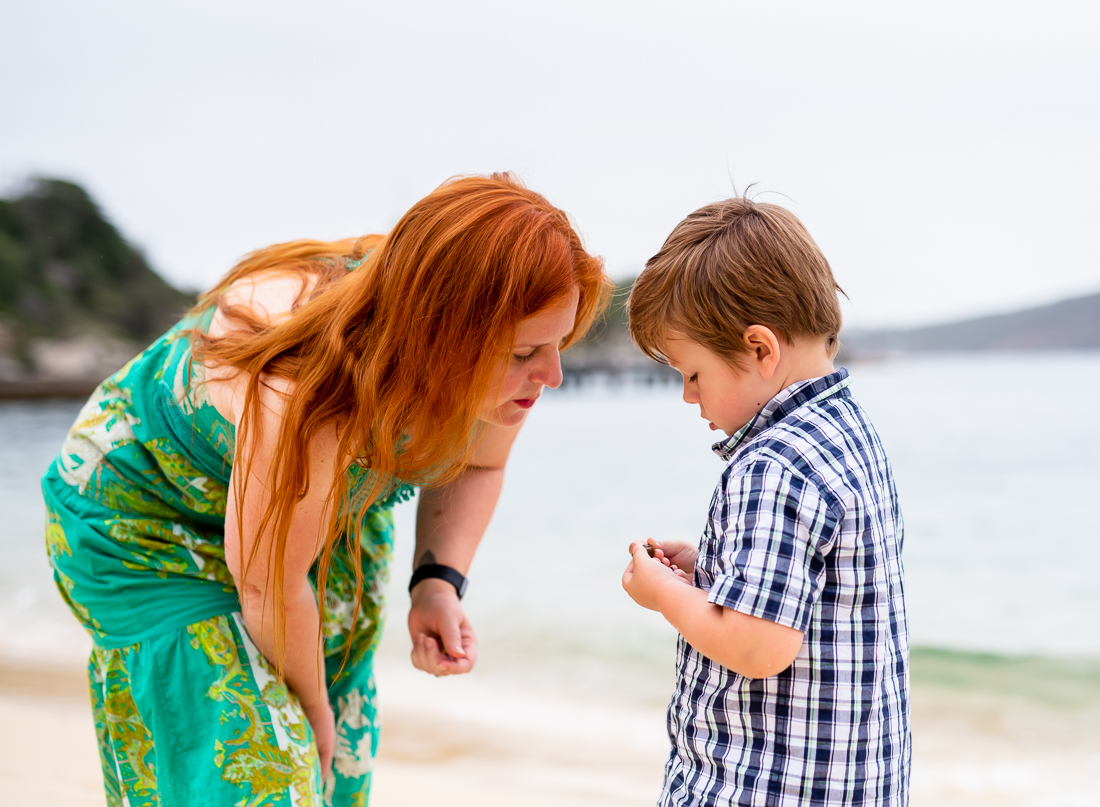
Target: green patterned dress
{"points": [[187, 711]]}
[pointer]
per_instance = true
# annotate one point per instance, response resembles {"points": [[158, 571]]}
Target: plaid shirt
{"points": [[805, 531]]}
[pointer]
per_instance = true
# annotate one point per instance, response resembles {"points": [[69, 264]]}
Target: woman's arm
{"points": [[303, 664], [450, 521]]}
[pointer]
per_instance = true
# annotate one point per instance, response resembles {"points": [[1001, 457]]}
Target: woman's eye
{"points": [[520, 359]]}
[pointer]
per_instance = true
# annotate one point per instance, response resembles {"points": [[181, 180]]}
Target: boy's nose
{"points": [[690, 395]]}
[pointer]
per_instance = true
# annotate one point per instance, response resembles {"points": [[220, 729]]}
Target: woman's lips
{"points": [[525, 403]]}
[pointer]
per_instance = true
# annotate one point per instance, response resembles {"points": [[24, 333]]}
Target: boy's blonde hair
{"points": [[730, 265]]}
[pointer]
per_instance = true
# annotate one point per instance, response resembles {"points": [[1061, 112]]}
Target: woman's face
{"points": [[535, 362]]}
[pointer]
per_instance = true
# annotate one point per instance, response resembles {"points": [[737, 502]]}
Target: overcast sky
{"points": [[943, 154]]}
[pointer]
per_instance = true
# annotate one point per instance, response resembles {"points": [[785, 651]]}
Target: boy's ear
{"points": [[764, 349]]}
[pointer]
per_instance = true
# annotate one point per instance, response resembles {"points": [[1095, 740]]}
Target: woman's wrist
{"points": [[431, 587], [439, 571]]}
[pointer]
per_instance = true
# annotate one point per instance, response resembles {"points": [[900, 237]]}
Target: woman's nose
{"points": [[548, 372]]}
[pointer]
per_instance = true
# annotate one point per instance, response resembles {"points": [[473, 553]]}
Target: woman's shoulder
{"points": [[268, 298]]}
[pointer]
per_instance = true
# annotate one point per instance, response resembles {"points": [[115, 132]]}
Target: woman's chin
{"points": [[507, 415]]}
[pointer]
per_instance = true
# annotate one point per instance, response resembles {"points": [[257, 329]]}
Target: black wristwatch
{"points": [[452, 576]]}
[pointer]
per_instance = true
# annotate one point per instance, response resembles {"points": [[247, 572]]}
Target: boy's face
{"points": [[727, 397]]}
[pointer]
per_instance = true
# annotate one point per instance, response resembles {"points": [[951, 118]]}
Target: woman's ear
{"points": [[764, 349]]}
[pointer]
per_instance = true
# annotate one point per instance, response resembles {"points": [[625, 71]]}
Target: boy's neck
{"points": [[802, 360]]}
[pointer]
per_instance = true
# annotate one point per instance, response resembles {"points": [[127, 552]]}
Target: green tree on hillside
{"points": [[66, 271]]}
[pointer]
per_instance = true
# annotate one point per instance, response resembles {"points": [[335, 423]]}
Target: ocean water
{"points": [[997, 460]]}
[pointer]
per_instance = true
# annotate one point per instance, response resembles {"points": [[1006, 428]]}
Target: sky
{"points": [[943, 154]]}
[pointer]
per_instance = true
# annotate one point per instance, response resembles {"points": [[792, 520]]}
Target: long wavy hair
{"points": [[399, 354]]}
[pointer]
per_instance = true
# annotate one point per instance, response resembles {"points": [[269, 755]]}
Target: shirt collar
{"points": [[798, 394]]}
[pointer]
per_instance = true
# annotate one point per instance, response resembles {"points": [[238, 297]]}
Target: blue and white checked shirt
{"points": [[805, 531]]}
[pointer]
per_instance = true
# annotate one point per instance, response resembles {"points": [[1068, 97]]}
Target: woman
{"points": [[220, 514]]}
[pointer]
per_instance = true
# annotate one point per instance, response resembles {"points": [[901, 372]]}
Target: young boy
{"points": [[792, 663]]}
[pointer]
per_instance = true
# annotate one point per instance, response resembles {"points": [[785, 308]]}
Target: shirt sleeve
{"points": [[772, 530]]}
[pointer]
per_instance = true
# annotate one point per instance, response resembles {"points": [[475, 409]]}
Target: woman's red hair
{"points": [[401, 353]]}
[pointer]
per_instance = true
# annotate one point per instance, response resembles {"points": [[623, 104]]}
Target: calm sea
{"points": [[997, 459]]}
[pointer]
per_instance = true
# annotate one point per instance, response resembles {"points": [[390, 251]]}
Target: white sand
{"points": [[441, 745], [975, 750], [48, 752]]}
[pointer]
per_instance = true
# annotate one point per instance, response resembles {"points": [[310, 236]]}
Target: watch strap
{"points": [[441, 572]]}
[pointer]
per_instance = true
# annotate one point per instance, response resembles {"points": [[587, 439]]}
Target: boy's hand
{"points": [[645, 577], [653, 549], [679, 554]]}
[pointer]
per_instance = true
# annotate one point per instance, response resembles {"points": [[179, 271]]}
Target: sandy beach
{"points": [[424, 759], [987, 731]]}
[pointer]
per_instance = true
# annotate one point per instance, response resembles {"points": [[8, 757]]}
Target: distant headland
{"points": [[77, 301], [1066, 325]]}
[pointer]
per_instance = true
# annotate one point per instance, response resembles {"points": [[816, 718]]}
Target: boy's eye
{"points": [[694, 378]]}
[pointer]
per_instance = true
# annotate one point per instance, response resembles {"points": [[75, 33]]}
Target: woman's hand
{"points": [[443, 641], [323, 722]]}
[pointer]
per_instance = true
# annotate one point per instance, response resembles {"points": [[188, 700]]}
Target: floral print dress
{"points": [[187, 710]]}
